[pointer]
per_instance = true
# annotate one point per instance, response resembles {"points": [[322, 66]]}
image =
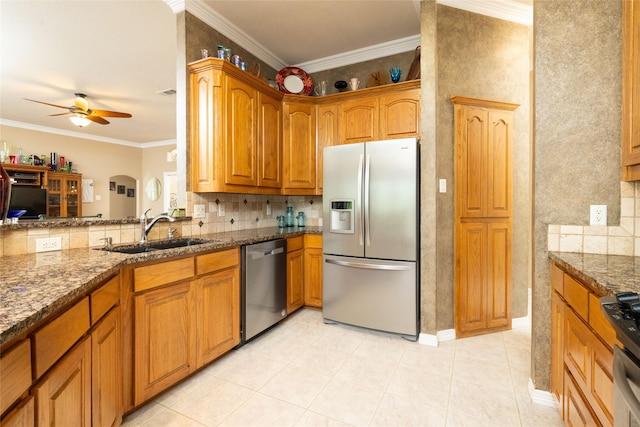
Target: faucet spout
{"points": [[146, 227]]}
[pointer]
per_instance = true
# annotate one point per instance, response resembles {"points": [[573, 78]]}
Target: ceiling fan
{"points": [[81, 114]]}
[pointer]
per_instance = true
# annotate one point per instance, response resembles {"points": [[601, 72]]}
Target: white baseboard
{"points": [[520, 322], [433, 340], [542, 397]]}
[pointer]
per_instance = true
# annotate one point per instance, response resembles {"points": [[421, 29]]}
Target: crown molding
{"points": [[508, 10], [47, 129], [369, 53], [219, 22]]}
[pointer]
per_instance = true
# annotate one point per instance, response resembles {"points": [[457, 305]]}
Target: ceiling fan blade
{"points": [[60, 114], [97, 119], [106, 113], [46, 103]]}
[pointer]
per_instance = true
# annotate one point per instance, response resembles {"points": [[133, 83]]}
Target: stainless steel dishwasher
{"points": [[264, 286]]}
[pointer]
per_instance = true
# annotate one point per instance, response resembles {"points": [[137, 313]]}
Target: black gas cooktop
{"points": [[623, 311]]}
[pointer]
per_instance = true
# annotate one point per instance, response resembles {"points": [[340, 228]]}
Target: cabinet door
{"points": [[358, 121], [295, 277], [165, 339], [299, 147], [106, 369], [63, 397], [471, 298], [313, 277], [327, 134], [557, 347], [631, 91], [54, 196], [498, 274], [72, 192], [601, 381], [498, 164], [577, 411], [577, 357], [22, 416], [218, 296], [400, 115], [269, 142], [241, 136]]}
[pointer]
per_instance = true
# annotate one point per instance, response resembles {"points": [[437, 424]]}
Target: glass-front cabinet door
{"points": [[64, 192]]}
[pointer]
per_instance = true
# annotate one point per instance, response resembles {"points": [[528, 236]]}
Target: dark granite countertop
{"points": [[606, 274], [35, 285]]}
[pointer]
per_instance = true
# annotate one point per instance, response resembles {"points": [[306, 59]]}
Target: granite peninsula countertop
{"points": [[33, 286], [606, 274]]}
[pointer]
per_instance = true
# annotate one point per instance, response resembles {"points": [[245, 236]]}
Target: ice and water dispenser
{"points": [[342, 216]]}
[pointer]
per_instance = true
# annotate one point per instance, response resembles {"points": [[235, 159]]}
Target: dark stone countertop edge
{"points": [[96, 266], [604, 274], [76, 222]]}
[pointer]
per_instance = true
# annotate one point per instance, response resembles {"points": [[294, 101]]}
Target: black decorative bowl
{"points": [[341, 85]]}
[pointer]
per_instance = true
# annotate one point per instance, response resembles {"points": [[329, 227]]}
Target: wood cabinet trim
{"points": [[159, 274]]}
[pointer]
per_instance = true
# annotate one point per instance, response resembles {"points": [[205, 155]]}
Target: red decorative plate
{"points": [[294, 80]]}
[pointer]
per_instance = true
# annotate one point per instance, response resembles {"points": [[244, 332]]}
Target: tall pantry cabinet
{"points": [[483, 210]]}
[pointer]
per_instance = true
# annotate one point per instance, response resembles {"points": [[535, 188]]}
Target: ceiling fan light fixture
{"points": [[80, 120]]}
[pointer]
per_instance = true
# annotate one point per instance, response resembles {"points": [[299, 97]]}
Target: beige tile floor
{"points": [[306, 373]]}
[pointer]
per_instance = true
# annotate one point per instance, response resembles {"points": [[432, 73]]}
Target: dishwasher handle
{"points": [[261, 254]]}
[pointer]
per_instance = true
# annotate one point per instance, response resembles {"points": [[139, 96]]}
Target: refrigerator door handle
{"points": [[360, 172], [367, 173], [368, 266]]}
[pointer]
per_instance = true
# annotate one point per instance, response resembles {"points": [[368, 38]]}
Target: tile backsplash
{"points": [[242, 212], [623, 239]]}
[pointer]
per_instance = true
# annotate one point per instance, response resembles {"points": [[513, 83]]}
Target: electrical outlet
{"points": [[598, 215], [220, 209], [49, 244], [268, 209], [198, 211]]}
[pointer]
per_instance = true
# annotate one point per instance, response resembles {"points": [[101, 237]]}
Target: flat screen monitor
{"points": [[31, 199]]}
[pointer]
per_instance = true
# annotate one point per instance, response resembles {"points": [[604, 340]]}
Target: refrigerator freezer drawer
{"points": [[374, 294]]}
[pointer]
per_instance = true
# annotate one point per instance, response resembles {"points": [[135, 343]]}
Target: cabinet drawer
{"points": [[599, 323], [217, 261], [52, 341], [15, 374], [557, 278], [577, 296], [295, 243], [150, 276], [313, 241], [104, 298]]}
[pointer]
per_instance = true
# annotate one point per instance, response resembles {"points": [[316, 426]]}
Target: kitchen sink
{"points": [[156, 246]]}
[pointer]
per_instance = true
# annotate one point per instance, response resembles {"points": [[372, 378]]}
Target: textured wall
{"points": [[482, 57], [577, 134]]}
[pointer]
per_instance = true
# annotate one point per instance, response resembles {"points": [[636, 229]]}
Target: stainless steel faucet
{"points": [[146, 227]]}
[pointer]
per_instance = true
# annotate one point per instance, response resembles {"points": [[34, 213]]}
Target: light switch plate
{"points": [[49, 244], [198, 211], [443, 185], [221, 210]]}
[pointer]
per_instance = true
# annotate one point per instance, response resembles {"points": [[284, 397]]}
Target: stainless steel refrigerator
{"points": [[371, 235]]}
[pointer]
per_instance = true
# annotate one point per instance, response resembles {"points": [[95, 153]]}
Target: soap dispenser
{"points": [[289, 216]]}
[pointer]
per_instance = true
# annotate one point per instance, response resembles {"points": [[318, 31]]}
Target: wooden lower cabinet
{"points": [[182, 325], [295, 273], [106, 371], [557, 347], [63, 396], [218, 325], [313, 270], [581, 353], [165, 339]]}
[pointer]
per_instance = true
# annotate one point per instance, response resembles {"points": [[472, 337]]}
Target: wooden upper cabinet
{"points": [[327, 134], [241, 136], [299, 147], [236, 131], [358, 120], [631, 91], [400, 115], [269, 141]]}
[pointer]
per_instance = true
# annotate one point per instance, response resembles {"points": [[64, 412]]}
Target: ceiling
{"points": [[121, 53]]}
